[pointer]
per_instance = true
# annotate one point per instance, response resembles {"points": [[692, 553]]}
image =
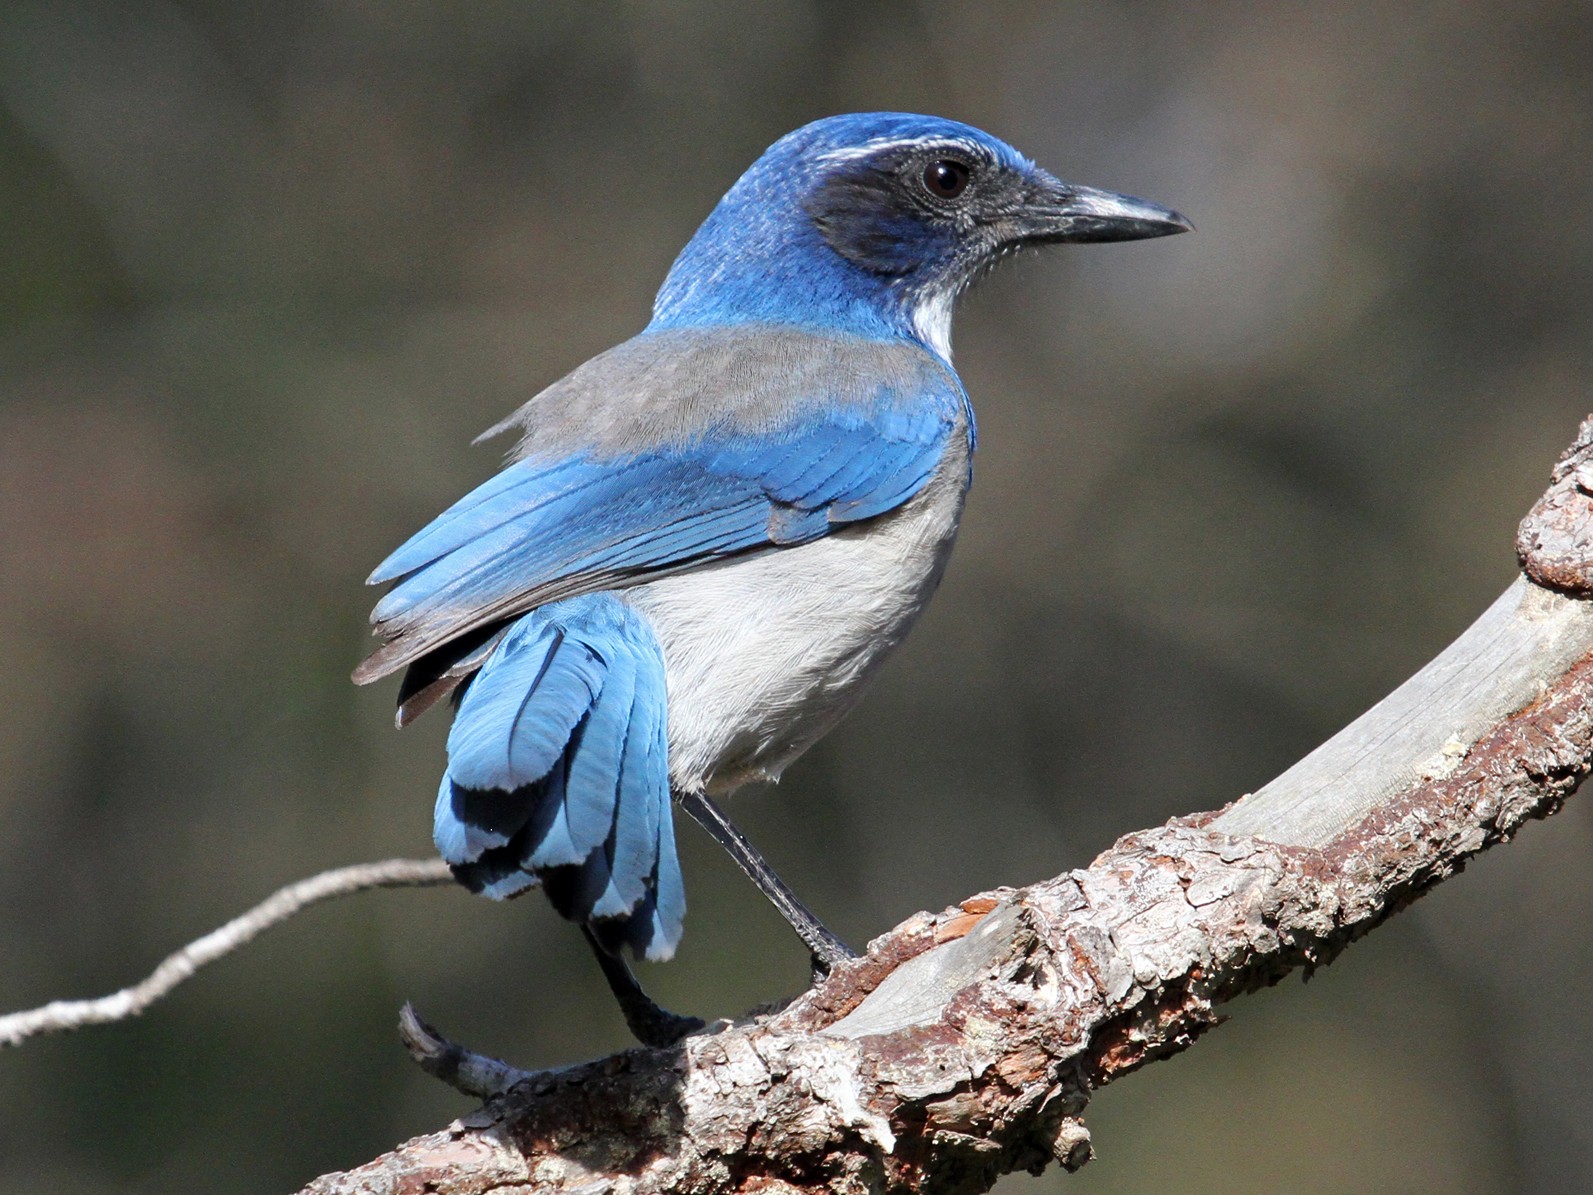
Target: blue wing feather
{"points": [[887, 497], [481, 510], [546, 529]]}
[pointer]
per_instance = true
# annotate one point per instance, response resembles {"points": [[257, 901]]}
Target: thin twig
{"points": [[62, 1015]]}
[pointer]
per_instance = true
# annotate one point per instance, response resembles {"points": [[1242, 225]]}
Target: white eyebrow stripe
{"points": [[851, 153]]}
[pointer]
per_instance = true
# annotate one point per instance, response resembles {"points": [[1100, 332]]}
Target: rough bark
{"points": [[965, 1045]]}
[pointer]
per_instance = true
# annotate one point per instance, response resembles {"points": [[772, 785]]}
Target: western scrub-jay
{"points": [[708, 538]]}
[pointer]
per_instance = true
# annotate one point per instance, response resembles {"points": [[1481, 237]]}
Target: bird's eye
{"points": [[946, 178]]}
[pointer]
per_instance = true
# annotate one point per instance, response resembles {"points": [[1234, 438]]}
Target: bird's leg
{"points": [[828, 950], [651, 1024]]}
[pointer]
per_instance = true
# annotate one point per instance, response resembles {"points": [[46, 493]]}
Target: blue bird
{"points": [[707, 539]]}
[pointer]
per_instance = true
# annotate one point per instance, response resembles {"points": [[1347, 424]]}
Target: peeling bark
{"points": [[1552, 541], [966, 1044]]}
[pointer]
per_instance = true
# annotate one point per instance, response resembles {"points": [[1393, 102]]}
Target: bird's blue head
{"points": [[873, 223]]}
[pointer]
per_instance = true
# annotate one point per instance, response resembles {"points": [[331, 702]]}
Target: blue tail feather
{"points": [[669, 890], [545, 843], [653, 928], [633, 847], [577, 891], [596, 755], [558, 774], [499, 739]]}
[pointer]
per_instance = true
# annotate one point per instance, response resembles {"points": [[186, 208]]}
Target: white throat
{"points": [[931, 318]]}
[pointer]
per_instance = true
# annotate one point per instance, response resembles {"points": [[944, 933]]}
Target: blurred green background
{"points": [[265, 270]]}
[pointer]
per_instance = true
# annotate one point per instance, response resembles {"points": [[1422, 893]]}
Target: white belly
{"points": [[763, 655]]}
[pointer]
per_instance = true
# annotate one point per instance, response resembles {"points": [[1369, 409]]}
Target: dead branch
{"points": [[62, 1015], [464, 1070], [965, 1045]]}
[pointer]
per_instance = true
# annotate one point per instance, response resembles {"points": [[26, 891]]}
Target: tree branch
{"points": [[462, 1069], [965, 1045], [62, 1015]]}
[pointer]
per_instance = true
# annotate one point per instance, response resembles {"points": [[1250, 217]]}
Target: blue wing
{"points": [[590, 520]]}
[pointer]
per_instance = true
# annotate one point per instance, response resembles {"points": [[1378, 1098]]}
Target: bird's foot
{"points": [[653, 1025], [835, 953]]}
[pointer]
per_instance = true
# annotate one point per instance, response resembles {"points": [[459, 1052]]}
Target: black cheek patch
{"points": [[867, 220]]}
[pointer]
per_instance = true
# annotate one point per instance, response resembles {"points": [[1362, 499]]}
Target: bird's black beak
{"points": [[1055, 211]]}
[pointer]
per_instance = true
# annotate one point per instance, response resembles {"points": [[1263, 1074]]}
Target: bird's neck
{"points": [[780, 272]]}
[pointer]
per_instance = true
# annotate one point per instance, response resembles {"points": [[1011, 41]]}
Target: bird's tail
{"points": [[558, 775]]}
